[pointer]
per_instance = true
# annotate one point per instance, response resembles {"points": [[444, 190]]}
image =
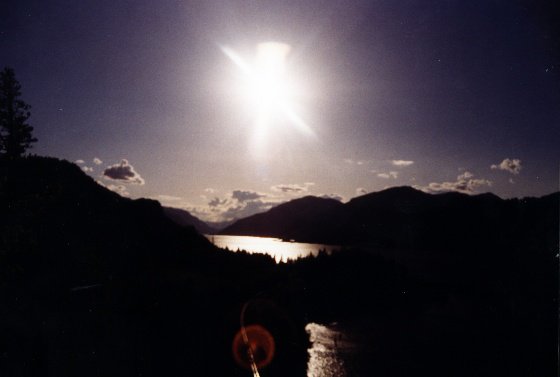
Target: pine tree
{"points": [[15, 133]]}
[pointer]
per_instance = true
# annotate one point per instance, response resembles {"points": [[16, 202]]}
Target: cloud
{"points": [[123, 171], [217, 202], [402, 163], [244, 196], [243, 203], [465, 175], [354, 162], [465, 183], [338, 197], [361, 191], [79, 162], [210, 190], [510, 165], [169, 198], [391, 174], [292, 188], [97, 161], [119, 189], [238, 204], [87, 169]]}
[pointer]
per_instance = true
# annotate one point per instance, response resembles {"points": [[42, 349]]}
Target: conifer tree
{"points": [[15, 132]]}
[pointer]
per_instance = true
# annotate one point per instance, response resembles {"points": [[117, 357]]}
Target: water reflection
{"points": [[328, 345], [281, 251]]}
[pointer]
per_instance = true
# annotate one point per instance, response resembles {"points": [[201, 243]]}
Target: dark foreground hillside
{"points": [[93, 284]]}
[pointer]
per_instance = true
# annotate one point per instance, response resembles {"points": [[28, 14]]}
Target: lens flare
{"points": [[253, 344]]}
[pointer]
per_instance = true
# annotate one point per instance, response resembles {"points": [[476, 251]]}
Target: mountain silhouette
{"points": [[184, 218], [403, 217], [93, 283], [304, 218]]}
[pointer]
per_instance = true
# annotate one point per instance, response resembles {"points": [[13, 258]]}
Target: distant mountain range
{"points": [[403, 217]]}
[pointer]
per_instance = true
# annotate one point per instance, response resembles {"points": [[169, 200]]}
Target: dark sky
{"points": [[441, 95]]}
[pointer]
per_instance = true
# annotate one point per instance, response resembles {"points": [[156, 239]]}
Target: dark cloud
{"points": [[217, 202], [244, 196], [510, 165], [125, 172]]}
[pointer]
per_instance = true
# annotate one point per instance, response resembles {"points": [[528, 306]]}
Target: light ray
{"points": [[267, 89]]}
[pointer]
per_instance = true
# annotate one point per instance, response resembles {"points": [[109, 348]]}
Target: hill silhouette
{"points": [[403, 217], [185, 218], [95, 284], [299, 219]]}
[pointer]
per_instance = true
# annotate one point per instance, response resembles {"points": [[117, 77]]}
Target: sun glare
{"points": [[267, 90]]}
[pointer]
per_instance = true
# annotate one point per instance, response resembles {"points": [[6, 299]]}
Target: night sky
{"points": [[439, 95]]}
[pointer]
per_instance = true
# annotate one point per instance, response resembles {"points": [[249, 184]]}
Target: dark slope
{"points": [[52, 211], [400, 217], [184, 218], [403, 217], [305, 219], [95, 284]]}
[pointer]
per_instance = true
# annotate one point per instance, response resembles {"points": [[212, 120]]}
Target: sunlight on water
{"points": [[281, 251], [327, 346]]}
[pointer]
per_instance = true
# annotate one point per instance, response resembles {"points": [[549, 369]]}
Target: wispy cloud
{"points": [[361, 191], [119, 189], [123, 171], [354, 162], [391, 174], [510, 165], [402, 163], [292, 188], [168, 198], [79, 162]]}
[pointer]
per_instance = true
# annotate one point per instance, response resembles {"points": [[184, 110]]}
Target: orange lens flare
{"points": [[259, 343]]}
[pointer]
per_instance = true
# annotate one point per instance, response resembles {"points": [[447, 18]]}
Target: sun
{"points": [[269, 93]]}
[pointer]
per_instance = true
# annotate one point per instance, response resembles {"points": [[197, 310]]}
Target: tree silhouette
{"points": [[15, 133]]}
